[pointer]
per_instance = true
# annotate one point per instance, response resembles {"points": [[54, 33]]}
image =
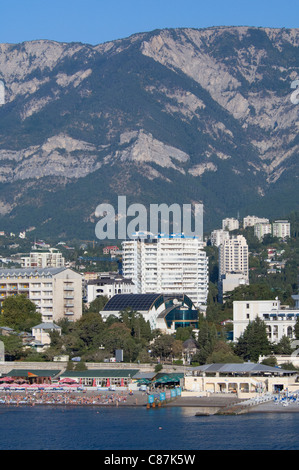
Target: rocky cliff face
{"points": [[185, 114]]}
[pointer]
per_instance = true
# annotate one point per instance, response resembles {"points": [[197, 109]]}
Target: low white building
{"points": [[109, 285], [279, 320], [252, 220], [231, 281], [244, 380], [219, 236], [230, 224], [42, 331]]}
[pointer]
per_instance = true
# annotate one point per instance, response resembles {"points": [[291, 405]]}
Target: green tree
{"points": [[97, 304], [259, 291], [19, 313], [140, 329], [163, 347], [253, 342], [13, 347], [207, 337], [223, 353], [284, 346], [90, 329], [183, 334], [296, 328]]}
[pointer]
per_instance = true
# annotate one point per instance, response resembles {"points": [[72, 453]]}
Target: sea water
{"points": [[138, 428]]}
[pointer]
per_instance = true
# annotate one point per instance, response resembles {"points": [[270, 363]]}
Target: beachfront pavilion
{"points": [[101, 377], [242, 379], [32, 376]]}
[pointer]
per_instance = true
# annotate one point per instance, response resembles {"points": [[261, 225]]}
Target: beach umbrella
{"points": [[67, 380], [7, 379], [144, 382], [162, 379]]}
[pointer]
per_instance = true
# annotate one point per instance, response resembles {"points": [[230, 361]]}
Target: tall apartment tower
{"points": [[167, 265], [233, 264]]}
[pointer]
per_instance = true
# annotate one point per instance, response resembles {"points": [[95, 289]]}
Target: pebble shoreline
{"points": [[71, 398], [202, 405]]}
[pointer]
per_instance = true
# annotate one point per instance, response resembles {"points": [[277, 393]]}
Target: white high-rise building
{"points": [[233, 256], [233, 264], [168, 265]]}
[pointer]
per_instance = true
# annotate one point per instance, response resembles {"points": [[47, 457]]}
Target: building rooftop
{"points": [[244, 368], [135, 301], [36, 372], [46, 326], [110, 280], [25, 272], [105, 373]]}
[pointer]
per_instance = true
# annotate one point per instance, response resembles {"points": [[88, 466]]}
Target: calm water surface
{"points": [[136, 428]]}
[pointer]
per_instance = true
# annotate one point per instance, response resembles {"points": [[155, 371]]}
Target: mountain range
{"points": [[169, 116]]}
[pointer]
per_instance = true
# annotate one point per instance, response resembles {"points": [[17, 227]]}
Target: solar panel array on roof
{"points": [[141, 302]]}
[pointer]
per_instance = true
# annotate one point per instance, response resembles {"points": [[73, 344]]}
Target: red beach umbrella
{"points": [[67, 380]]}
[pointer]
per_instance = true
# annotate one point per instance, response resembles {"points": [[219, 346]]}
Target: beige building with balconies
{"points": [[56, 292], [51, 258]]}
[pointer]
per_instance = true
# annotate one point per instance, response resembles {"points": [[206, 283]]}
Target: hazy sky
{"points": [[98, 21]]}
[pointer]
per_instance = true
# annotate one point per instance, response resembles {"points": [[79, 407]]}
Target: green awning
{"points": [[36, 372], [100, 373]]}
